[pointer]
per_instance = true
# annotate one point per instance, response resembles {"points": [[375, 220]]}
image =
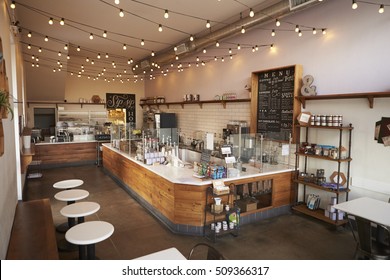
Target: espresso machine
{"points": [[237, 135]]}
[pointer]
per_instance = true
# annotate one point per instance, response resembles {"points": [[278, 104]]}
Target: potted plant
{"points": [[5, 106]]}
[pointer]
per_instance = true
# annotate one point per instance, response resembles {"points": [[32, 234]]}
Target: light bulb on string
{"points": [[175, 49], [297, 28], [46, 39], [354, 5], [217, 44], [277, 22], [152, 54], [78, 48], [230, 50], [117, 2], [208, 25], [62, 21], [87, 59], [271, 47], [51, 21], [273, 33], [324, 31], [91, 36], [238, 47], [29, 46], [106, 55], [160, 29], [381, 9], [59, 54], [105, 34], [204, 50], [215, 58], [65, 47], [142, 42], [13, 5], [300, 33], [124, 47], [242, 29], [166, 14], [314, 31], [121, 13], [29, 35], [251, 13], [40, 50], [98, 56], [191, 38]]}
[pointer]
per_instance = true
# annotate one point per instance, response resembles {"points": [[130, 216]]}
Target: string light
{"points": [[40, 50], [300, 33], [251, 13], [160, 29], [238, 47], [105, 34], [381, 9], [152, 53], [121, 13], [13, 5], [324, 31], [91, 36], [166, 14], [29, 46], [78, 48], [51, 21], [106, 55], [124, 47], [277, 22], [98, 56], [142, 42], [273, 33], [62, 21], [117, 2], [296, 28], [65, 47], [217, 44], [314, 31], [191, 38], [208, 25], [354, 5], [29, 35], [46, 39], [230, 50], [204, 50], [242, 30]]}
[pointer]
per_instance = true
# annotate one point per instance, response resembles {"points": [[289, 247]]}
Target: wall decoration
{"points": [[382, 131], [307, 88]]}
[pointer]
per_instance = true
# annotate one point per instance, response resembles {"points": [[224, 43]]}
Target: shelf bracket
{"points": [[371, 101], [182, 105], [303, 101], [200, 105], [224, 104]]}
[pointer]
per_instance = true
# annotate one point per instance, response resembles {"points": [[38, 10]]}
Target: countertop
{"points": [[184, 175], [72, 142]]}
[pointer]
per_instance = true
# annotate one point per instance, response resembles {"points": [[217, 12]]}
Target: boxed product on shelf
{"points": [[219, 187]]}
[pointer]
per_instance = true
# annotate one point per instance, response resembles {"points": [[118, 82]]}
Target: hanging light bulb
{"points": [[277, 22], [46, 39], [59, 54], [297, 28], [40, 50], [314, 31], [29, 35], [142, 42], [65, 47], [256, 47], [381, 9], [231, 57], [251, 13], [105, 34], [300, 33], [222, 59], [13, 5], [166, 14], [242, 30], [68, 57], [208, 25], [124, 47], [91, 36], [230, 50], [191, 38], [62, 21], [106, 55], [273, 33], [324, 31], [98, 56], [121, 13], [253, 49], [92, 62], [204, 50], [29, 46], [217, 44], [272, 46], [51, 21], [130, 61], [152, 54], [197, 58], [354, 5], [78, 48], [238, 47], [177, 57], [32, 57], [160, 29], [117, 2]]}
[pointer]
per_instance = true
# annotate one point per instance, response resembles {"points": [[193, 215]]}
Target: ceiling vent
{"points": [[296, 4], [182, 48]]}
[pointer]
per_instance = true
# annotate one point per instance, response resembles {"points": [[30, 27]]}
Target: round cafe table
{"points": [[69, 196], [68, 184], [87, 234], [72, 211]]}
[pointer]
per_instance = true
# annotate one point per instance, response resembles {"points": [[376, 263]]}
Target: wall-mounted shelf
{"points": [[63, 103], [200, 103], [369, 95]]}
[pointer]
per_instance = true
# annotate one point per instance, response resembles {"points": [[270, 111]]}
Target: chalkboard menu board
{"points": [[122, 101], [275, 109]]}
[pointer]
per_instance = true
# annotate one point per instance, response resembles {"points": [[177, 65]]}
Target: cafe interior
{"points": [[176, 130]]}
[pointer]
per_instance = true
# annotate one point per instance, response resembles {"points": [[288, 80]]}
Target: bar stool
{"points": [[87, 234], [70, 196], [76, 210], [68, 184]]}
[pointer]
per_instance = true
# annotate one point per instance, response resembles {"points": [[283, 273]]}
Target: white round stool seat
{"points": [[80, 209], [71, 195], [68, 184]]}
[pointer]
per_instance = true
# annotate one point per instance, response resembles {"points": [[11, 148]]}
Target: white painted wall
{"points": [[352, 57]]}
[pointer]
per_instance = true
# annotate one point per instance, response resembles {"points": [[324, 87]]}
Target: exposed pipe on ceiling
{"points": [[278, 10]]}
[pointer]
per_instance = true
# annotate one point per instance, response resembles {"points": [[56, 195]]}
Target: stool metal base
{"points": [[64, 246], [62, 228]]}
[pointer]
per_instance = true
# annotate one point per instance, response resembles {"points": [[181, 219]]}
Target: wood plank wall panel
{"points": [[65, 153], [282, 190]]}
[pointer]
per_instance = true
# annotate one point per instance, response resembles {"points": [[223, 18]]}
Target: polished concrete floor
{"points": [[287, 237]]}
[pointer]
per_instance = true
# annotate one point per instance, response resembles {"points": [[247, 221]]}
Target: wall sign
{"points": [[122, 101], [274, 109]]}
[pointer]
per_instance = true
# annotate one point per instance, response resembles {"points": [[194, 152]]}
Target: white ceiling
{"points": [[141, 21]]}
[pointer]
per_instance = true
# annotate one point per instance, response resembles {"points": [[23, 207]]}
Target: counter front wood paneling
{"points": [[182, 204], [61, 153]]}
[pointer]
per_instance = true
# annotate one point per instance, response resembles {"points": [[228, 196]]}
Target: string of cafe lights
{"points": [[381, 6], [166, 15]]}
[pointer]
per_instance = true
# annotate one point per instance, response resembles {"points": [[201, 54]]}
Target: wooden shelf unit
{"points": [[63, 103], [200, 103], [318, 214], [370, 96]]}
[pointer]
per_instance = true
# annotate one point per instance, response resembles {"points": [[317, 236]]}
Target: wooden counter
{"points": [[64, 153], [181, 205]]}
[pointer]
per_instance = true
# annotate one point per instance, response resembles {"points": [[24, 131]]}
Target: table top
{"points": [[68, 184], [80, 209], [368, 208], [167, 254], [89, 232], [71, 195]]}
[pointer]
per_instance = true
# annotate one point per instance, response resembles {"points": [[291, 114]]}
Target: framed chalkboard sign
{"points": [[273, 107], [122, 101]]}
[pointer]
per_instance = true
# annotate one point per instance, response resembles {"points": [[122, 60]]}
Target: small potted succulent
{"points": [[5, 106]]}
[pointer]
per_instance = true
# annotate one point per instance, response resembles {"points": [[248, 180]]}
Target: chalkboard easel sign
{"points": [[273, 107], [122, 101]]}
